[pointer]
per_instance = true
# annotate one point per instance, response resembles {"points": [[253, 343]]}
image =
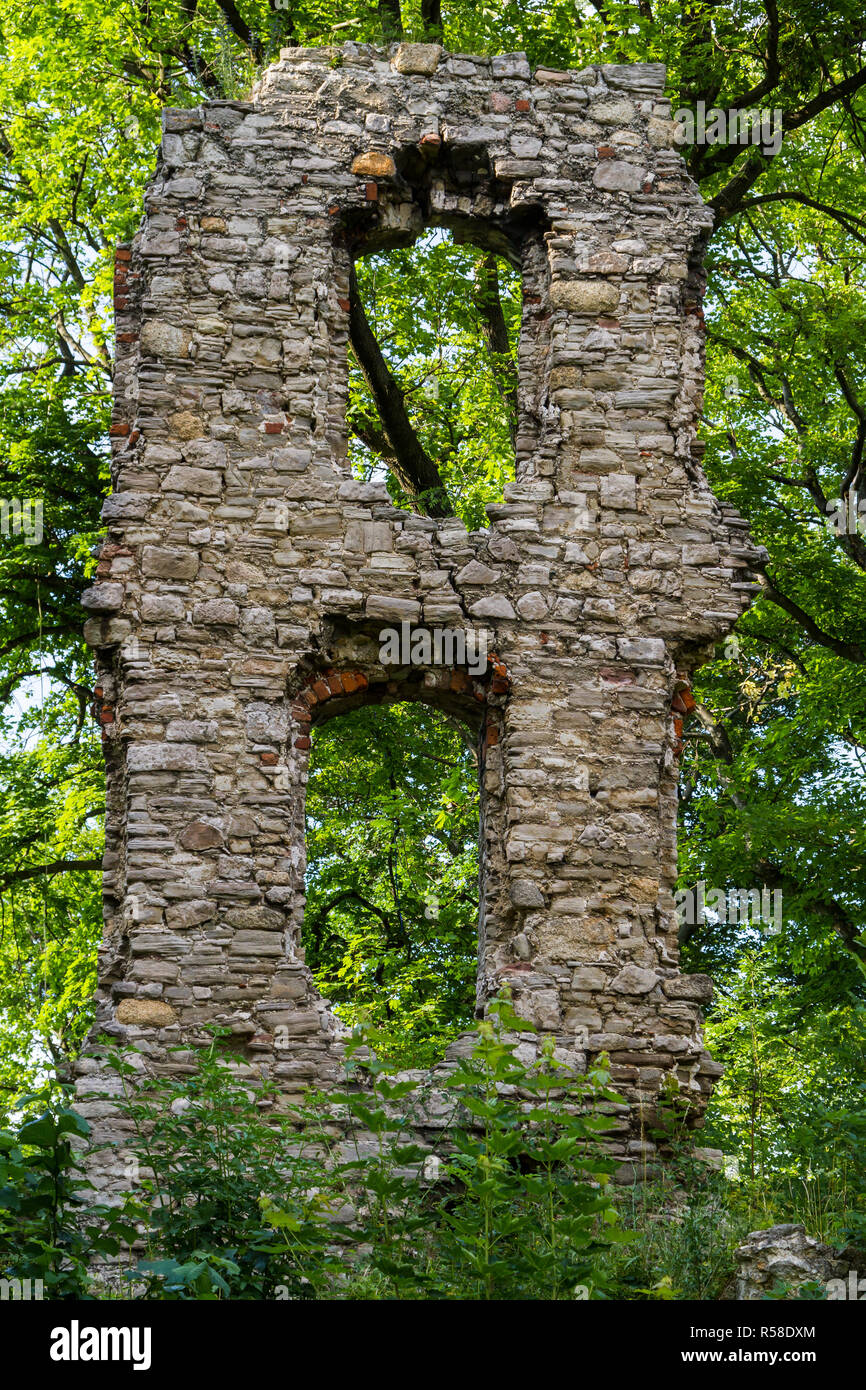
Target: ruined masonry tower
{"points": [[246, 574]]}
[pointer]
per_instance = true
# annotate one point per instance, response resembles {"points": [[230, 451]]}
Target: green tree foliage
{"points": [[446, 317], [47, 1236], [51, 807], [390, 928]]}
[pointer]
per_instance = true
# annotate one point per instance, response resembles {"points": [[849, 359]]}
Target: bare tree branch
{"points": [[56, 866], [845, 220], [496, 332], [773, 69], [849, 651], [411, 464], [241, 29]]}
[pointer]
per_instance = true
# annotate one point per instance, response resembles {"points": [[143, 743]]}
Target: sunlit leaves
{"points": [[392, 817], [423, 305]]}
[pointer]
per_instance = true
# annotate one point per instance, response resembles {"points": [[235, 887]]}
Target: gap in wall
{"points": [[446, 315], [391, 923]]}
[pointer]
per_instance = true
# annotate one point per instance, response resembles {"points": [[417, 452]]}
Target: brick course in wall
{"points": [[246, 574]]}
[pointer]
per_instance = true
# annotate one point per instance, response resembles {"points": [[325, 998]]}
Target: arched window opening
{"points": [[433, 374], [391, 922]]}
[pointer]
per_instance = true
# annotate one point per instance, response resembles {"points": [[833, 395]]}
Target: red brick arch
{"points": [[333, 691]]}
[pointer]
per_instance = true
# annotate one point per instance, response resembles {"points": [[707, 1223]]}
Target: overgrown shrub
{"points": [[47, 1236], [492, 1184], [336, 1198]]}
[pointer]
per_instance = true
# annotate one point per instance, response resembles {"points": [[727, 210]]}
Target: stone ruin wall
{"points": [[246, 574]]}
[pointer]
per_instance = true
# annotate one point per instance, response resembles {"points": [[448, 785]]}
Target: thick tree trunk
{"points": [[412, 466], [392, 20], [496, 332], [431, 18]]}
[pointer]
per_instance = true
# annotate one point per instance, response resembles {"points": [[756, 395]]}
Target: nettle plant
{"points": [[338, 1197], [208, 1160], [48, 1233], [530, 1214]]}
